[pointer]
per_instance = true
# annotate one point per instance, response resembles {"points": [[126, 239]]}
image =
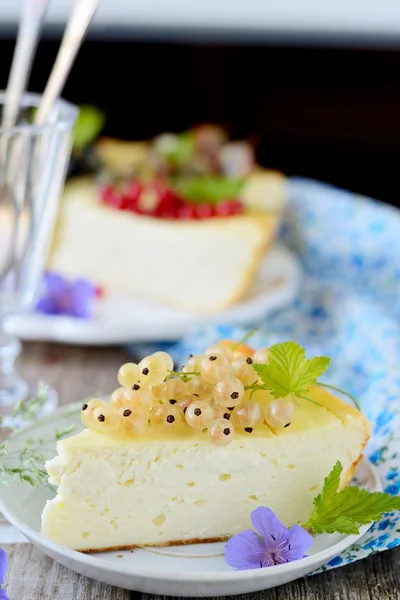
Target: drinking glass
{"points": [[33, 164]]}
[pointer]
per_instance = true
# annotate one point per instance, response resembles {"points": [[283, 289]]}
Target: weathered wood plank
{"points": [[75, 372], [34, 576]]}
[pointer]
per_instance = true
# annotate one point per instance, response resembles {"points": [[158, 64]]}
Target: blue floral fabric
{"points": [[348, 308]]}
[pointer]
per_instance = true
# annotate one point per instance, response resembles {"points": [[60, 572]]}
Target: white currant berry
{"points": [[279, 413], [221, 412], [166, 416], [242, 368], [88, 409], [201, 388], [199, 415], [140, 394], [214, 367], [100, 416], [220, 349], [248, 415], [229, 392], [166, 359], [134, 418], [186, 401], [128, 374], [170, 391], [261, 356], [221, 432], [118, 397], [193, 364], [152, 370]]}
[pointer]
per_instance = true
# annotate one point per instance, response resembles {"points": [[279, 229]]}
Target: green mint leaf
{"points": [[288, 371], [87, 127], [209, 190], [343, 512]]}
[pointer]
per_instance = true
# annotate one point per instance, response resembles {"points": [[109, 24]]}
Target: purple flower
{"points": [[271, 544], [3, 571], [63, 297]]}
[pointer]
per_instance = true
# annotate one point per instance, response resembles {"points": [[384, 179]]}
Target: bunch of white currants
{"points": [[212, 393]]}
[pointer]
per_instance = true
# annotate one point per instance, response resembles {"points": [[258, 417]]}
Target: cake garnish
{"points": [[333, 512], [345, 511], [270, 544], [3, 573], [61, 296], [180, 177], [229, 390], [287, 372]]}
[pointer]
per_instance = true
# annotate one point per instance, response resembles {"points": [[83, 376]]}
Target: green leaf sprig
{"points": [[210, 190], [244, 339], [88, 125], [345, 511], [289, 373], [25, 461]]}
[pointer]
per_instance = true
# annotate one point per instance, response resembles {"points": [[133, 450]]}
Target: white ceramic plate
{"points": [[198, 570], [122, 319]]}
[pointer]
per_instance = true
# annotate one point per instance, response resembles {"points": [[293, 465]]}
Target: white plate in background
{"points": [[121, 319]]}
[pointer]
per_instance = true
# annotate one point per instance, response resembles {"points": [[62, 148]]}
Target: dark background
{"points": [[327, 113]]}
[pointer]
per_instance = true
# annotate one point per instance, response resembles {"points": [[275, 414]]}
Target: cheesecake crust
{"points": [[163, 545]]}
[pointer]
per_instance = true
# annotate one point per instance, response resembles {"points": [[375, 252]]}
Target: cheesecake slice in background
{"points": [[185, 226]]}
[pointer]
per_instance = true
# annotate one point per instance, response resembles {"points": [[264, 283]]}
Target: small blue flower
{"points": [[376, 457], [273, 544], [3, 572], [393, 544], [63, 297], [376, 543], [393, 489], [385, 524], [381, 540], [335, 561], [369, 545], [392, 475]]}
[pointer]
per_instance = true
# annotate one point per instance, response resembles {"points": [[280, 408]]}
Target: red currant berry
{"points": [[237, 207], [111, 196], [224, 208], [204, 211], [187, 211], [131, 195]]}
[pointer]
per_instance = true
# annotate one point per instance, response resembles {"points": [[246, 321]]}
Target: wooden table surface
{"points": [[78, 372]]}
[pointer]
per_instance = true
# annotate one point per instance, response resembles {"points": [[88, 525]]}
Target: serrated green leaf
{"points": [[343, 525], [87, 127], [345, 511], [288, 371], [209, 190], [331, 485]]}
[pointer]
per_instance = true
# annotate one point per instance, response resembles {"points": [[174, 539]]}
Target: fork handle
{"points": [[32, 16], [80, 18]]}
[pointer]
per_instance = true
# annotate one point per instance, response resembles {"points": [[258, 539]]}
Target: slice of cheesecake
{"points": [[199, 266], [161, 488]]}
